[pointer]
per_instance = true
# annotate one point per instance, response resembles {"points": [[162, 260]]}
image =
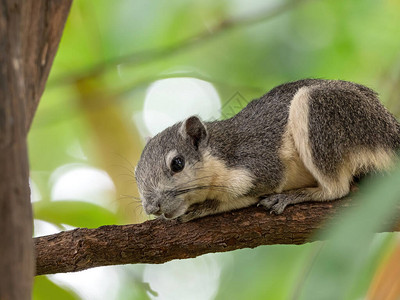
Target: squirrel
{"points": [[302, 141]]}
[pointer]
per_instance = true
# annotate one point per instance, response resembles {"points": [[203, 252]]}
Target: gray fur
{"points": [[342, 116], [152, 171], [252, 138]]}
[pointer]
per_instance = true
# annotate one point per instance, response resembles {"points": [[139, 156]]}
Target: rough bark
{"points": [[29, 34], [159, 241]]}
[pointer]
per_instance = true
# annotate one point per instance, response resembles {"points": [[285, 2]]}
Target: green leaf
{"points": [[74, 213], [266, 272], [339, 265], [43, 288]]}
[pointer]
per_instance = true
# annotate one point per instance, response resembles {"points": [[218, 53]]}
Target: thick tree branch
{"points": [[159, 241]]}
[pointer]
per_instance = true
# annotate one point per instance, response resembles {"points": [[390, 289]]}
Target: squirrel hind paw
{"points": [[275, 203]]}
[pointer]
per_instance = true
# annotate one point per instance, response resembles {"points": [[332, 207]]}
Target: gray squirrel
{"points": [[302, 141]]}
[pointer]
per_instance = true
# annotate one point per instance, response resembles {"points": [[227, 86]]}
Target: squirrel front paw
{"points": [[275, 203], [199, 210], [188, 216], [192, 213]]}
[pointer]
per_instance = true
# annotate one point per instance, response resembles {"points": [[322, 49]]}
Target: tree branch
{"points": [[159, 241], [151, 55]]}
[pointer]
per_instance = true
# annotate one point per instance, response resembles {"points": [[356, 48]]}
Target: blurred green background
{"points": [[126, 69]]}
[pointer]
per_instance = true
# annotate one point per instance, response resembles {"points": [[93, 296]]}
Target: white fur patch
{"points": [[328, 188], [226, 183], [218, 181], [296, 174], [297, 135]]}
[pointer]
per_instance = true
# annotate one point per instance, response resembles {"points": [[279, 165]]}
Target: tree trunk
{"points": [[16, 258], [29, 35]]}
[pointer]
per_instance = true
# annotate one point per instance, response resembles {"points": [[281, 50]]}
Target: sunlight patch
{"points": [[35, 193], [41, 228], [171, 100], [184, 279], [101, 283], [83, 183]]}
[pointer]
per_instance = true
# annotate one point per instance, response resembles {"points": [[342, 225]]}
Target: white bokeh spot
{"points": [[83, 183], [41, 228], [184, 279], [35, 192], [171, 100], [101, 283]]}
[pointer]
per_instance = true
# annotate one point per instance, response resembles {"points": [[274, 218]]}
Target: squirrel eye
{"points": [[177, 164]]}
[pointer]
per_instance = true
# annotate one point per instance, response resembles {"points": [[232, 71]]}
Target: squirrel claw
{"points": [[276, 204], [268, 202]]}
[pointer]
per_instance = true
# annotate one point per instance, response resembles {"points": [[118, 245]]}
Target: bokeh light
{"points": [[172, 100]]}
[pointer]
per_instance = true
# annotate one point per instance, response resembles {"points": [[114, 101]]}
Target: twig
{"points": [[150, 55]]}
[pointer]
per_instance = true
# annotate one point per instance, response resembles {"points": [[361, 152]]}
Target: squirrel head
{"points": [[168, 171]]}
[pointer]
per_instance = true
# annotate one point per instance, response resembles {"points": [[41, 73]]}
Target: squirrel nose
{"points": [[153, 209]]}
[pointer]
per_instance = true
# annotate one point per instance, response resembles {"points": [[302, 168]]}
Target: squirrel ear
{"points": [[193, 129], [147, 139]]}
